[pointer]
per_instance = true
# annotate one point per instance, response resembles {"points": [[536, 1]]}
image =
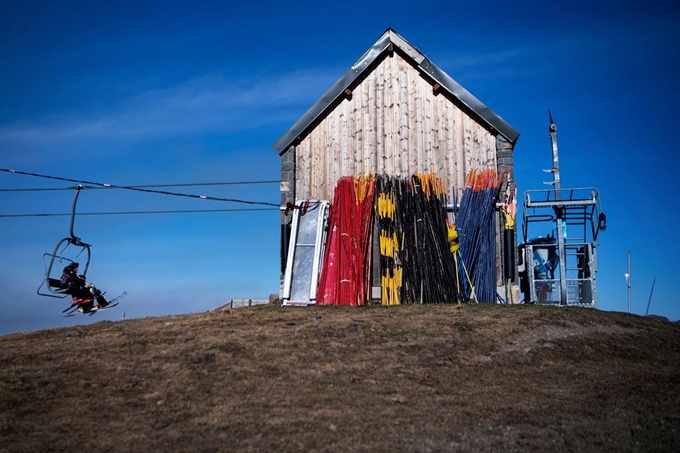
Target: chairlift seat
{"points": [[57, 286]]}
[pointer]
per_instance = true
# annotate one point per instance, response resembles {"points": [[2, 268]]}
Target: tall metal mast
{"points": [[556, 159], [559, 212]]}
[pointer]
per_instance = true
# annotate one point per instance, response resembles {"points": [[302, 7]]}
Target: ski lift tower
{"points": [[559, 268]]}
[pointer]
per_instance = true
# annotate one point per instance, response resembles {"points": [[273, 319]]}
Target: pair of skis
{"points": [[73, 309]]}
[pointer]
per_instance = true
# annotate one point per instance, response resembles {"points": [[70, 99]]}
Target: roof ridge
{"points": [[388, 38]]}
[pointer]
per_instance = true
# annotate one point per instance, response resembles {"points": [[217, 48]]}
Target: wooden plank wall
{"points": [[392, 124]]}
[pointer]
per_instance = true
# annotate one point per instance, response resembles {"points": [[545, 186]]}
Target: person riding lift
{"points": [[84, 294]]}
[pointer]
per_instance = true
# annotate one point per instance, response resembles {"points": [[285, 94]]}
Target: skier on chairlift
{"points": [[84, 294]]}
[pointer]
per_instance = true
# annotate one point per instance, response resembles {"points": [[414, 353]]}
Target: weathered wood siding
{"points": [[393, 123]]}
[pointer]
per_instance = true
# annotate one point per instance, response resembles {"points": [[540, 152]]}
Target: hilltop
{"points": [[416, 378]]}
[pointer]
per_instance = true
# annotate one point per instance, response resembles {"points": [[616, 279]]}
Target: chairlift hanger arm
{"points": [[74, 239]]}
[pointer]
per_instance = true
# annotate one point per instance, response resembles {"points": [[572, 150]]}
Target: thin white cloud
{"points": [[208, 104]]}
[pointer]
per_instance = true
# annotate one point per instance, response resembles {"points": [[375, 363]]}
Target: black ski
{"points": [[112, 304]]}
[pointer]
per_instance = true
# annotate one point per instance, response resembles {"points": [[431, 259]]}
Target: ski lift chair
{"points": [[51, 285]]}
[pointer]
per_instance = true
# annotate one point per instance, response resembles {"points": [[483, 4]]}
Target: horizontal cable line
{"points": [[162, 192], [190, 211], [137, 186]]}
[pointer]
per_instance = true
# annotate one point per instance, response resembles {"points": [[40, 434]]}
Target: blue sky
{"points": [[134, 93]]}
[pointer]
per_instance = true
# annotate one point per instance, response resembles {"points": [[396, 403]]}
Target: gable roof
{"points": [[390, 37]]}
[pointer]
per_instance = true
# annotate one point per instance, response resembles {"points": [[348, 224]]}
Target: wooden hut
{"points": [[393, 112]]}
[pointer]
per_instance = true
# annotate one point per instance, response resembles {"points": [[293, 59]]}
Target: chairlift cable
{"points": [[189, 211], [137, 186], [140, 189]]}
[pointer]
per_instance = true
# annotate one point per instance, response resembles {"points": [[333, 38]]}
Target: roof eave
{"points": [[470, 101], [332, 94]]}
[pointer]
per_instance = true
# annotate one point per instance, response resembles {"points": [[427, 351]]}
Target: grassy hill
{"points": [[347, 379]]}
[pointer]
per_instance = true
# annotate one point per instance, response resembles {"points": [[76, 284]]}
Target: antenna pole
{"points": [[650, 296], [628, 279]]}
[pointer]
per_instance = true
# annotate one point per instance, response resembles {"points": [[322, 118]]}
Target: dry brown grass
{"points": [[362, 379]]}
